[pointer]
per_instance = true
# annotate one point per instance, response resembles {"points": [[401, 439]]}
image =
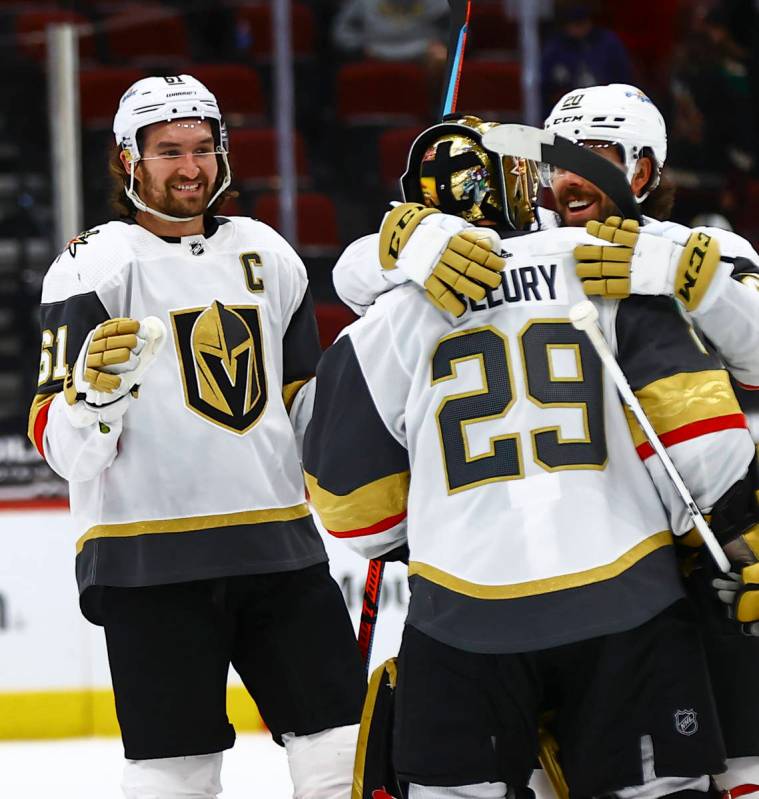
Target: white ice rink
{"points": [[90, 768]]}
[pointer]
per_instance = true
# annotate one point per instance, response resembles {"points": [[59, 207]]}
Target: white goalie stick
{"points": [[584, 316], [536, 144]]}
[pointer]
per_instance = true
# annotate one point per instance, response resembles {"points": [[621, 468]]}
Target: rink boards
{"points": [[54, 679]]}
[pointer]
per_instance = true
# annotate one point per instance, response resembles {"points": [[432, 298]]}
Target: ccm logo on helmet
{"points": [[565, 120]]}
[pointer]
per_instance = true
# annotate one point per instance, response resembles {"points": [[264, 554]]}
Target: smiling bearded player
{"points": [[196, 547]]}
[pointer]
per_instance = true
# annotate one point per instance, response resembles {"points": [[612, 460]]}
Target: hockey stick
{"points": [[456, 44], [370, 609], [536, 144], [584, 316]]}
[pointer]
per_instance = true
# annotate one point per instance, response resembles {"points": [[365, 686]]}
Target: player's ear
{"points": [[126, 159], [642, 176]]}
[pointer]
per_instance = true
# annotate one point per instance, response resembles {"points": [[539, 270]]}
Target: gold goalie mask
{"points": [[449, 169]]}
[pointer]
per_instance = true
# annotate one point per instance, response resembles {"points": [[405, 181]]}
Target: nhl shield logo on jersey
{"points": [[221, 359], [686, 722]]}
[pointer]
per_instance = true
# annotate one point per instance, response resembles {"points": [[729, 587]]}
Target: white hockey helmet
{"points": [[619, 114], [163, 99]]}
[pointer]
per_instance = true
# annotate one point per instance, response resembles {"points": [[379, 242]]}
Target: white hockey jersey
{"points": [[728, 315], [499, 448], [203, 479]]}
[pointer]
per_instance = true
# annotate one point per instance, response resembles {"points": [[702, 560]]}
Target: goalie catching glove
{"points": [[112, 362], [641, 263], [445, 255]]}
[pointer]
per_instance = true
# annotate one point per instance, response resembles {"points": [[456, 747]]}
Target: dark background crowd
{"points": [[368, 78]]}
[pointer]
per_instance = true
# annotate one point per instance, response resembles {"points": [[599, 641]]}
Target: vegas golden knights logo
{"points": [[221, 360]]}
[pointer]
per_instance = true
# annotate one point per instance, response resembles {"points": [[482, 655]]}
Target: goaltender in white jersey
{"points": [[566, 502], [540, 549]]}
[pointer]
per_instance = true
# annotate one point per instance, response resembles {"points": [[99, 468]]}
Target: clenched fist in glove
{"points": [[739, 589], [641, 263], [111, 364], [445, 255], [740, 592]]}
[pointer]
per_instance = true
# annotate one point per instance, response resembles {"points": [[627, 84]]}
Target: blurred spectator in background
{"points": [[580, 53], [393, 30], [710, 88]]}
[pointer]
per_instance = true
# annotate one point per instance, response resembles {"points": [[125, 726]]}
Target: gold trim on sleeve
{"points": [[673, 402], [289, 390], [363, 507], [38, 404]]}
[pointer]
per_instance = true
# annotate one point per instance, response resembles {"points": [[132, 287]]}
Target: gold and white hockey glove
{"points": [[111, 364], [641, 263], [442, 253], [739, 589]]}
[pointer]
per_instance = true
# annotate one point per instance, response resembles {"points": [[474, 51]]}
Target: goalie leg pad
{"points": [[195, 777], [321, 764], [374, 770]]}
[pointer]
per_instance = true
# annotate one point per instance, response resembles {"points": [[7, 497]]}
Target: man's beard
{"points": [[603, 208], [160, 197]]}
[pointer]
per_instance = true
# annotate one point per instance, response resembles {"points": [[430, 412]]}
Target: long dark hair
{"points": [[658, 204]]}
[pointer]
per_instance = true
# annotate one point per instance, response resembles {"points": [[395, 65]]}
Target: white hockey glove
{"points": [[111, 364], [642, 263], [445, 255]]}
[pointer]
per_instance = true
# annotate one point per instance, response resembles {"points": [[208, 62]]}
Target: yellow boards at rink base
{"points": [[54, 679]]}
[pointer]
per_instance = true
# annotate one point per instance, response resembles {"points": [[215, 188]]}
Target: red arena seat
{"points": [[100, 91], [317, 221], [254, 158], [237, 88], [382, 93]]}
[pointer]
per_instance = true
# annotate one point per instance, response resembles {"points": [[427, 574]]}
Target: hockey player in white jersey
{"points": [[625, 126], [620, 123], [461, 416], [175, 347]]}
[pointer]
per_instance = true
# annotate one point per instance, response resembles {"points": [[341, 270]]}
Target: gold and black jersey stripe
{"points": [[681, 384], [356, 490], [546, 613], [64, 326], [161, 551]]}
